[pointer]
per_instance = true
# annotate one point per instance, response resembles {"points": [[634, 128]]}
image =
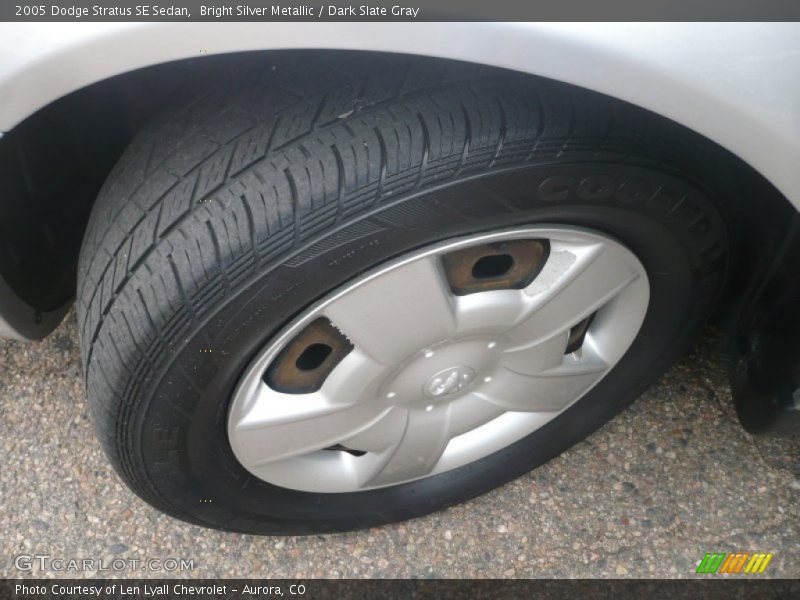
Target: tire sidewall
{"points": [[179, 432]]}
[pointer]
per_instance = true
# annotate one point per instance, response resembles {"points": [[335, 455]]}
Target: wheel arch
{"points": [[96, 109]]}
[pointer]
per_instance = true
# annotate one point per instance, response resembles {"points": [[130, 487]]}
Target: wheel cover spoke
{"points": [[551, 390], [279, 440], [389, 317], [538, 357], [578, 280], [422, 443], [435, 376]]}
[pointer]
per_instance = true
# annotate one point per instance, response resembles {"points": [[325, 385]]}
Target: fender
{"points": [[735, 83]]}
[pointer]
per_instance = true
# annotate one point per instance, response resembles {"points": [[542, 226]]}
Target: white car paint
{"points": [[736, 83]]}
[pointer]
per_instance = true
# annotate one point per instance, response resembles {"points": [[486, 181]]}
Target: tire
{"points": [[224, 219]]}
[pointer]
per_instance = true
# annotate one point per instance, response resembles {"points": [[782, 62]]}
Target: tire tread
{"points": [[266, 161]]}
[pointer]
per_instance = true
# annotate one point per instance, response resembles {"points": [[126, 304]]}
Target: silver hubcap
{"points": [[431, 380]]}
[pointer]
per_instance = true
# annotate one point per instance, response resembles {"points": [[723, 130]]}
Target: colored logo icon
{"points": [[737, 563]]}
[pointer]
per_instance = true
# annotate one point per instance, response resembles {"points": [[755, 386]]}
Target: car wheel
{"points": [[319, 302]]}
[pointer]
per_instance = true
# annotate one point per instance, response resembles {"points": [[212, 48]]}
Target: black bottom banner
{"points": [[135, 589]]}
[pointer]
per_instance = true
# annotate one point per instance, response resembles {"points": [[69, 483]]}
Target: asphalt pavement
{"points": [[671, 478]]}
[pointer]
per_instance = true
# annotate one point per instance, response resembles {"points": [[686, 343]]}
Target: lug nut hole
{"points": [[510, 265], [492, 265], [342, 448], [313, 356], [578, 334]]}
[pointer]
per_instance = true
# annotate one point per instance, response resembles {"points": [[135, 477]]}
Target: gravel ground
{"points": [[671, 478]]}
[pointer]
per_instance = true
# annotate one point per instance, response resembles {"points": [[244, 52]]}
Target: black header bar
{"points": [[400, 10]]}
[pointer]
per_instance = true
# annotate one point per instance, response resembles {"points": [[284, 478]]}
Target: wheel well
{"points": [[53, 164]]}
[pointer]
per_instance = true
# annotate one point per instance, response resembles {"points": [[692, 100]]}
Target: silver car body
{"points": [[738, 84]]}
